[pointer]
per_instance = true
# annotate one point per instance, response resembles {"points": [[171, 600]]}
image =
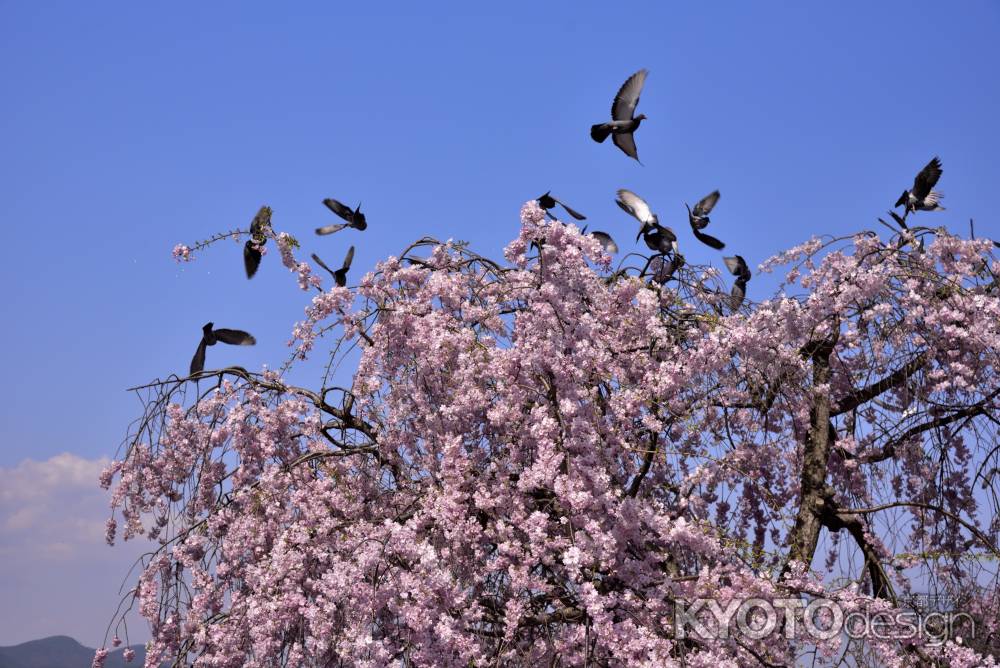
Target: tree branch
{"points": [[863, 395]]}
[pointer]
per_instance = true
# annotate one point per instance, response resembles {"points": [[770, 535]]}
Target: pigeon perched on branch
{"points": [[251, 249]]}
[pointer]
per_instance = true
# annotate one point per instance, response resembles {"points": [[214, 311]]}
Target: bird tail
{"points": [[709, 240], [933, 200], [251, 258], [600, 132]]}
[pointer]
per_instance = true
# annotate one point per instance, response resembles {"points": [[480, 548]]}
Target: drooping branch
{"points": [[888, 451], [983, 538], [863, 395]]}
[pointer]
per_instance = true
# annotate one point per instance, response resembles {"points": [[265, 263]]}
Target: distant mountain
{"points": [[62, 652]]}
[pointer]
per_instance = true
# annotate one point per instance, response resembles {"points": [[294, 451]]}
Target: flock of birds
{"points": [[252, 254], [660, 239]]}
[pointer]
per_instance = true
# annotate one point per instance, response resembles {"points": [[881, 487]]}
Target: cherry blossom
{"points": [[538, 460]]}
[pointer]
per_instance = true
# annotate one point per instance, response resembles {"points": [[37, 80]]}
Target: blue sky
{"points": [[127, 128]]}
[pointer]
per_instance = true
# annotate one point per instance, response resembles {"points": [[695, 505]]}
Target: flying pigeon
{"points": [[737, 266], [340, 275], [251, 250], [209, 337], [921, 197], [657, 237], [698, 217], [623, 122], [354, 218], [547, 202], [603, 238]]}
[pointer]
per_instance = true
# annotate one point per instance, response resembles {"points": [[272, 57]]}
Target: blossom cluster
{"points": [[536, 462]]}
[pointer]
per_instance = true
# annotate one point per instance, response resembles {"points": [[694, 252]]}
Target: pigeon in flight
{"points": [[657, 237], [623, 121], [547, 202], [607, 243], [603, 238], [354, 218], [698, 217], [340, 275], [251, 250], [737, 266], [209, 337], [921, 197]]}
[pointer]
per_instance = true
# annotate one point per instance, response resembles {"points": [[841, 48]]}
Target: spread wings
{"points": [[627, 99]]}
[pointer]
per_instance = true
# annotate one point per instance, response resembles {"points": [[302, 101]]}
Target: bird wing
{"points": [[933, 198], [322, 264], [735, 264], [927, 178], [575, 214], [626, 143], [348, 259], [235, 337], [635, 206], [330, 229], [198, 361], [339, 209], [737, 294], [606, 241], [708, 240], [707, 203], [251, 258], [627, 99]]}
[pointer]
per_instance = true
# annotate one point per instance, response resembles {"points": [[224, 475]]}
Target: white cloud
{"points": [[59, 577], [50, 508]]}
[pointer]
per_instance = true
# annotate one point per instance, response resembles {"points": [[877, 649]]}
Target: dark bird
{"points": [[662, 270], [737, 266], [209, 337], [698, 217], [921, 197], [603, 238], [623, 121], [354, 218], [547, 202], [251, 250], [657, 237], [340, 275]]}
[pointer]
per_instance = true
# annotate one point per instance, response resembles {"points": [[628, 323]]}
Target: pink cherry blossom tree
{"points": [[550, 459]]}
